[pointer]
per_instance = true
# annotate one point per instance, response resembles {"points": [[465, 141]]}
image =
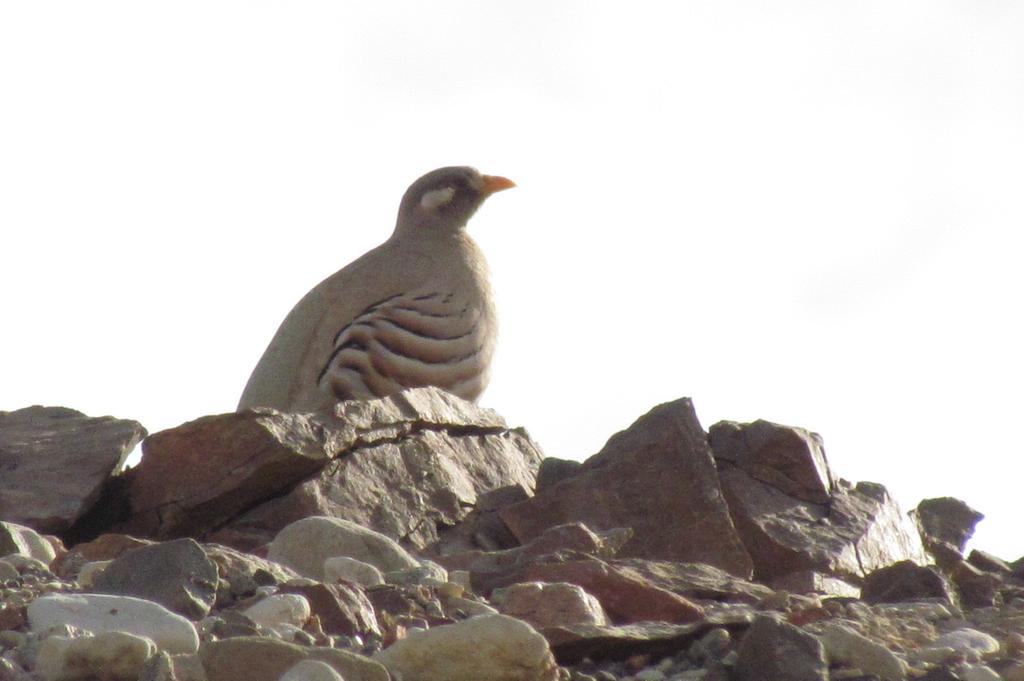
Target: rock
{"points": [[40, 445], [860, 529], [987, 562], [264, 659], [108, 656], [845, 646], [812, 581], [312, 670], [100, 613], [660, 468], [972, 644], [351, 570], [946, 520], [23, 541], [342, 608], [242, 573], [624, 596], [278, 609], [905, 581], [549, 604], [87, 575], [406, 466], [552, 471], [773, 649], [203, 473], [305, 544], [427, 573], [978, 672], [790, 459], [176, 574], [493, 647], [694, 581], [569, 537], [978, 589], [103, 548], [572, 645]]}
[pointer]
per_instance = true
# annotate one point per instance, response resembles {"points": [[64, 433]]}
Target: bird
{"points": [[415, 311]]}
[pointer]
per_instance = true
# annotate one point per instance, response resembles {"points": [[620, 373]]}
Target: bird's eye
{"points": [[436, 197]]}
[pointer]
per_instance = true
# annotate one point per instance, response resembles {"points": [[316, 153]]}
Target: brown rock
{"points": [[201, 474], [342, 608], [625, 597], [946, 520], [905, 581], [39, 445], [655, 639], [404, 466], [790, 459], [859, 530], [694, 581], [570, 537], [245, 658], [987, 562], [103, 547], [658, 478], [811, 581], [978, 589], [549, 604]]}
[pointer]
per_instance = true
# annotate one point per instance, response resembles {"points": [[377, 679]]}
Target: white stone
{"points": [[971, 643], [650, 674], [99, 613], [492, 647], [977, 672], [470, 607], [351, 570], [305, 544], [111, 656], [312, 670], [90, 570], [7, 571], [846, 646], [30, 543], [279, 609]]}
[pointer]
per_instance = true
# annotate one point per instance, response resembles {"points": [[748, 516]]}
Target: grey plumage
{"points": [[417, 310]]}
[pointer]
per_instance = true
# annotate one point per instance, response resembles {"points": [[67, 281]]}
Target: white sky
{"points": [[807, 212]]}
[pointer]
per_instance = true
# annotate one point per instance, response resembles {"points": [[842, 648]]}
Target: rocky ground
{"points": [[418, 538]]}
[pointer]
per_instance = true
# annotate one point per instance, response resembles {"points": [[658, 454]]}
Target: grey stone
{"points": [[176, 574], [776, 650], [41, 446], [18, 540], [305, 544], [905, 581], [264, 659]]}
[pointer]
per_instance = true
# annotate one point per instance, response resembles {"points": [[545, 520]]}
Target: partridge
{"points": [[415, 311]]}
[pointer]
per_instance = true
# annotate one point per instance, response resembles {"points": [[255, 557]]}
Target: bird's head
{"points": [[445, 199]]}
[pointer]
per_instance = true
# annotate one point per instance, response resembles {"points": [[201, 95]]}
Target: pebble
{"points": [[846, 646], [100, 613], [351, 570], [312, 670], [977, 672], [280, 609], [111, 656], [90, 570], [971, 643]]}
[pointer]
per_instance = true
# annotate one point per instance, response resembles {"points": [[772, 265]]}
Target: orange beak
{"points": [[495, 183]]}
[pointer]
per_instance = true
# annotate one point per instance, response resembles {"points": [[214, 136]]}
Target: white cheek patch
{"points": [[437, 197]]}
